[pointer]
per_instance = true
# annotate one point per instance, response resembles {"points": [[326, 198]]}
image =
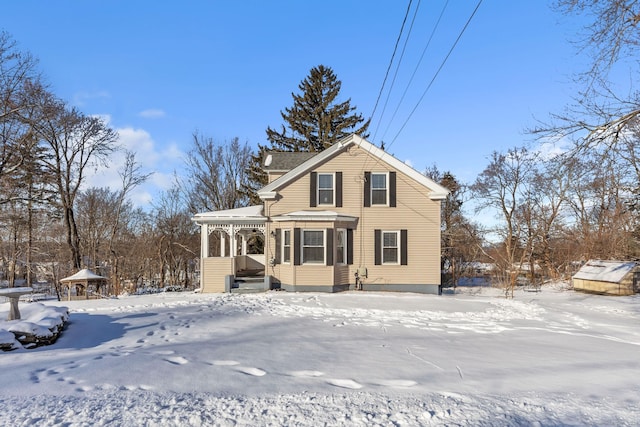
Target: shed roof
{"points": [[605, 271]]}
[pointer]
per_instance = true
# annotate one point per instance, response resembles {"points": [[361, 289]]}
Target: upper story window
{"points": [[325, 189], [379, 189], [313, 246]]}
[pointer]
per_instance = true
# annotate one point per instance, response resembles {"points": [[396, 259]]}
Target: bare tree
{"points": [[74, 142], [177, 238], [460, 240], [216, 174], [500, 187]]}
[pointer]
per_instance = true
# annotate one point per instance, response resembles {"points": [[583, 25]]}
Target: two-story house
{"points": [[350, 217]]}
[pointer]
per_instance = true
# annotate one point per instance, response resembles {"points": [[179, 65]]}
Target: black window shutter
{"points": [[378, 247], [329, 248], [349, 246], [392, 189], [367, 189], [338, 189], [313, 186], [278, 245], [403, 247], [296, 246]]}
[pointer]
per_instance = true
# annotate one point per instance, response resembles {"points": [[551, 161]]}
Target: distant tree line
{"points": [[550, 212]]}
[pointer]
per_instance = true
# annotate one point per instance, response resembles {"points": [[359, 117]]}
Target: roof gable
{"points": [[269, 191]]}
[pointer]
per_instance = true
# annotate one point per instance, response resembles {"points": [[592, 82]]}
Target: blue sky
{"points": [[161, 70]]}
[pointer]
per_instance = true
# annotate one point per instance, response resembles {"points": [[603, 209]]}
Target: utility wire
{"points": [[437, 72], [424, 51], [406, 15], [395, 75]]}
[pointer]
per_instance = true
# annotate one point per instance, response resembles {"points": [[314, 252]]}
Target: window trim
{"points": [[285, 248], [302, 246], [397, 247], [345, 245], [333, 189], [386, 189]]}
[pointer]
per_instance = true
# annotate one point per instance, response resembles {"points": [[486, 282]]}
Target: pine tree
{"points": [[314, 122]]}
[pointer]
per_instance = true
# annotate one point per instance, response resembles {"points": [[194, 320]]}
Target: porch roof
{"points": [[314, 216], [249, 214]]}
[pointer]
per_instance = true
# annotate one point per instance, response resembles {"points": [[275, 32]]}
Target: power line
{"points": [[404, 47], [406, 15], [438, 71], [424, 51]]}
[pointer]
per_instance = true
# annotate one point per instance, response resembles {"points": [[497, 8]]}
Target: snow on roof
{"points": [[314, 216], [605, 271], [84, 274], [252, 213]]}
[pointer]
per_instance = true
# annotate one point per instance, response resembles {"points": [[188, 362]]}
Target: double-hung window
{"points": [[313, 246], [341, 246], [286, 246], [390, 247], [325, 189], [379, 189]]}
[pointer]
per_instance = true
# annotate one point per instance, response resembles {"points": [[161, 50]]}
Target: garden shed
{"points": [[608, 277]]}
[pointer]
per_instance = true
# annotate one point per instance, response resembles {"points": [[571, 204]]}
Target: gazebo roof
{"points": [[85, 275]]}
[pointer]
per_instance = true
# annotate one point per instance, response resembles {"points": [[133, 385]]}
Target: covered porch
{"points": [[232, 248]]}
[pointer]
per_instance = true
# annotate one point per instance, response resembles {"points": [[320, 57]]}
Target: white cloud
{"points": [[151, 158], [81, 98], [152, 113]]}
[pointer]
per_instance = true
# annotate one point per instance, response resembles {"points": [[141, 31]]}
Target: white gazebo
{"points": [[82, 279], [235, 228]]}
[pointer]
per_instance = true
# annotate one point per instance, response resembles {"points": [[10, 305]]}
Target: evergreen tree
{"points": [[314, 122]]}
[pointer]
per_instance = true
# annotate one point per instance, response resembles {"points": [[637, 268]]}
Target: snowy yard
{"points": [[472, 358]]}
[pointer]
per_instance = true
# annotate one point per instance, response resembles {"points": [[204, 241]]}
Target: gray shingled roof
{"points": [[285, 161]]}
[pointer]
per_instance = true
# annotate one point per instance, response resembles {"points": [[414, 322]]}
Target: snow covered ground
{"points": [[365, 359]]}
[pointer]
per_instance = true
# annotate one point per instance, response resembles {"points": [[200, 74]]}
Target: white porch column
{"points": [[223, 244], [204, 241], [234, 241], [244, 244]]}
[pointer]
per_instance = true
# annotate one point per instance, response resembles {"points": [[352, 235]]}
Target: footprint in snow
{"points": [[225, 363], [397, 383], [255, 372], [177, 360], [306, 374], [345, 383]]}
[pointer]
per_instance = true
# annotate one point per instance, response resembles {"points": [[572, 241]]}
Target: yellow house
{"points": [[350, 217]]}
